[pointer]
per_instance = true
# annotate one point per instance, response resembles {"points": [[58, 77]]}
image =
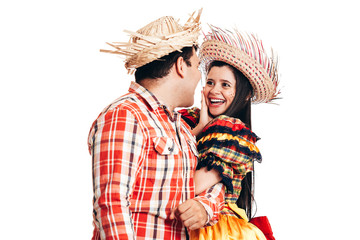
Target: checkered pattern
{"points": [[227, 145], [142, 168], [191, 116]]}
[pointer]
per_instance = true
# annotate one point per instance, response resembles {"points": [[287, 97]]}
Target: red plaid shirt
{"points": [[143, 162]]}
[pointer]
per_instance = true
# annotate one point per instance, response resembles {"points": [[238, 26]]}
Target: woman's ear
{"points": [[248, 97], [180, 67]]}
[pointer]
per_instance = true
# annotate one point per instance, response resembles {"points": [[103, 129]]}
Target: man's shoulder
{"points": [[115, 112], [128, 102]]}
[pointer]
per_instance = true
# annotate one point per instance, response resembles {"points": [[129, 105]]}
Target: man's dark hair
{"points": [[161, 67]]}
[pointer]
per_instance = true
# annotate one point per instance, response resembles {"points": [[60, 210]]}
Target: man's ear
{"points": [[180, 67]]}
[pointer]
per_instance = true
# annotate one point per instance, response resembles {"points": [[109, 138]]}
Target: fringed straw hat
{"points": [[246, 53], [157, 39]]}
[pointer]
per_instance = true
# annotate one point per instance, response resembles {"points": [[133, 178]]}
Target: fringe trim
{"points": [[228, 144]]}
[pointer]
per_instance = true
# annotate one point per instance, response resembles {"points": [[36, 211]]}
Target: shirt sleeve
{"points": [[228, 146], [213, 201], [116, 151], [191, 116]]}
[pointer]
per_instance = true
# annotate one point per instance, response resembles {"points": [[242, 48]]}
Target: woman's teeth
{"points": [[214, 101]]}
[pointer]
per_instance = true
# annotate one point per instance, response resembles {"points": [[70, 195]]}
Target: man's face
{"points": [[192, 78]]}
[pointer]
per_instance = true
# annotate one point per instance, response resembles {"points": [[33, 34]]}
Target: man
{"points": [[144, 155]]}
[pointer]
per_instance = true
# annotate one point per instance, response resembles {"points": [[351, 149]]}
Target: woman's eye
{"points": [[226, 85], [209, 83]]}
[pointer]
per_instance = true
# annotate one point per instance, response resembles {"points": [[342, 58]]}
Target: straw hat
{"points": [[246, 53], [157, 39]]}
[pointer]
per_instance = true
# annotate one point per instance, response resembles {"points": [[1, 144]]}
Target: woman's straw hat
{"points": [[246, 53], [157, 39]]}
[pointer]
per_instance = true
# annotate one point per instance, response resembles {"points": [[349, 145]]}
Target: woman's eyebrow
{"points": [[224, 80]]}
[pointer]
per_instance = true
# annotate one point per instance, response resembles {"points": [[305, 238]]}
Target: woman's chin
{"points": [[216, 112]]}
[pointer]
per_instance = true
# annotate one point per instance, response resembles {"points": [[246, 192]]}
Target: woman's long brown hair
{"points": [[241, 108]]}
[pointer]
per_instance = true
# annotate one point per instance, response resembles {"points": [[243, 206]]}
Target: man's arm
{"points": [[203, 210], [116, 149], [213, 200]]}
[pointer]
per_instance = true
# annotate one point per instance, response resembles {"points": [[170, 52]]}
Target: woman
{"points": [[238, 73]]}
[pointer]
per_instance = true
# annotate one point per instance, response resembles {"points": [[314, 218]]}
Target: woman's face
{"points": [[219, 89]]}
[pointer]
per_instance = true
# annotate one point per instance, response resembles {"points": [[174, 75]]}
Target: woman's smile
{"points": [[219, 89]]}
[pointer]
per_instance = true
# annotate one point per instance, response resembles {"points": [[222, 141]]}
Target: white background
{"points": [[54, 83]]}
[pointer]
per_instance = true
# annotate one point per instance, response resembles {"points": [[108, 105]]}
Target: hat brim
{"points": [[157, 39], [263, 86], [161, 48]]}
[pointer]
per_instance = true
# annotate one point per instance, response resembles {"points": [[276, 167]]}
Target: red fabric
{"points": [[143, 162], [264, 225]]}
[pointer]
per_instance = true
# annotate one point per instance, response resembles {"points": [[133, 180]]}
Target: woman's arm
{"points": [[205, 179]]}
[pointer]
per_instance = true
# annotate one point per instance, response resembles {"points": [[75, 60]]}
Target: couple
{"points": [[151, 179]]}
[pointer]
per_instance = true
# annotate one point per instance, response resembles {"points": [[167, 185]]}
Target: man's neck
{"points": [[163, 90]]}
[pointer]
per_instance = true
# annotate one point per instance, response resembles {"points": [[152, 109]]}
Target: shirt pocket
{"points": [[165, 145]]}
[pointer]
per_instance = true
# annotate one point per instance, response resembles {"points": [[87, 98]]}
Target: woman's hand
{"points": [[205, 118], [204, 111]]}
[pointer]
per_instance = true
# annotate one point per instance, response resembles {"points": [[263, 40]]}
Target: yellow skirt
{"points": [[229, 227]]}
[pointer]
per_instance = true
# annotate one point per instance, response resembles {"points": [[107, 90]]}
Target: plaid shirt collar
{"points": [[151, 99], [145, 94]]}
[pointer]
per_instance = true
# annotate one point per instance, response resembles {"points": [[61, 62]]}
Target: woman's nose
{"points": [[215, 89]]}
